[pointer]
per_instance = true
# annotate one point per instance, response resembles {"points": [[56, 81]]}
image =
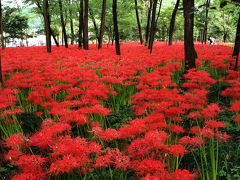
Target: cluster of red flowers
{"points": [[233, 92], [68, 87]]}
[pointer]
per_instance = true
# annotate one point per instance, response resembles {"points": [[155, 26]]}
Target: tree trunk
{"points": [[47, 26], [85, 25], [237, 39], [190, 53], [1, 26], [63, 23], [153, 24], [138, 23], [94, 24], [172, 23], [54, 37], [80, 18], [51, 31], [148, 22], [153, 29], [236, 62], [205, 30], [71, 24], [100, 39], [115, 24]]}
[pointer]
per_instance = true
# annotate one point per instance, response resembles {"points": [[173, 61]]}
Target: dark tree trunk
{"points": [[54, 37], [100, 39], [159, 10], [51, 31], [47, 26], [71, 24], [153, 24], [205, 30], [148, 22], [172, 23], [224, 36], [63, 23], [115, 24], [85, 25], [153, 29], [1, 26], [80, 18], [237, 39], [236, 62], [138, 22], [94, 24], [190, 53]]}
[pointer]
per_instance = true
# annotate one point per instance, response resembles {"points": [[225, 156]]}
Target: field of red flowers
{"points": [[77, 114]]}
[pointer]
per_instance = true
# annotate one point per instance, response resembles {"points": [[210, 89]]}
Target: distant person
{"points": [[213, 40], [210, 40]]}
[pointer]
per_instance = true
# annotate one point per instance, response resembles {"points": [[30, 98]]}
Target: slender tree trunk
{"points": [[148, 22], [172, 23], [85, 25], [47, 26], [205, 30], [237, 39], [153, 29], [100, 39], [190, 53], [63, 23], [51, 31], [113, 36], [94, 24], [159, 10], [80, 18], [71, 24], [115, 23], [1, 26], [54, 37], [138, 23], [153, 24]]}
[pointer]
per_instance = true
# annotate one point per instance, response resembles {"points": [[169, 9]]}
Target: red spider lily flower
{"points": [[235, 106], [198, 79], [191, 141], [211, 111], [109, 134], [237, 118], [183, 174], [207, 132], [12, 111], [46, 136], [13, 155], [65, 165], [194, 115], [222, 136], [177, 150], [195, 130], [16, 141], [176, 128], [28, 176], [214, 124], [122, 162], [31, 163], [147, 166], [103, 161]]}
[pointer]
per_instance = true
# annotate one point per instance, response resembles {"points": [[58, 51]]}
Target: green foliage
{"points": [[15, 24]]}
